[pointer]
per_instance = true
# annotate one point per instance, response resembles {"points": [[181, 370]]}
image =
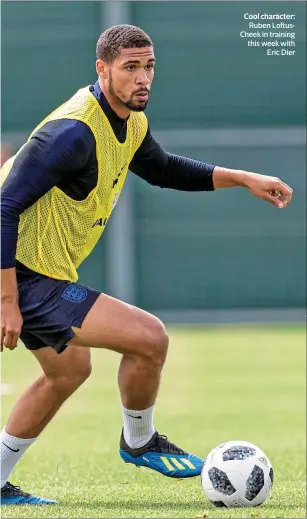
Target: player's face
{"points": [[129, 77]]}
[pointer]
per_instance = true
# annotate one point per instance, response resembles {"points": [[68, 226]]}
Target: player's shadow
{"points": [[197, 506], [134, 504], [269, 505]]}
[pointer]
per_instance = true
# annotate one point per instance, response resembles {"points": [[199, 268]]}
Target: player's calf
{"points": [[62, 375]]}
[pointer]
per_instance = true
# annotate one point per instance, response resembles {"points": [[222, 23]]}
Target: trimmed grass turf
{"points": [[218, 384]]}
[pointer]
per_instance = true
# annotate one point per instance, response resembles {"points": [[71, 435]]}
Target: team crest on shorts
{"points": [[74, 293]]}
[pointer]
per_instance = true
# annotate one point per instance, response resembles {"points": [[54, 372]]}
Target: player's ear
{"points": [[101, 68]]}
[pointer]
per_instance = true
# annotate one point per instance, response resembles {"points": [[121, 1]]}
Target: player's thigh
{"points": [[73, 363], [121, 327]]}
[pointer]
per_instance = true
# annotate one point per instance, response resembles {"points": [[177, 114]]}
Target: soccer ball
{"points": [[237, 474]]}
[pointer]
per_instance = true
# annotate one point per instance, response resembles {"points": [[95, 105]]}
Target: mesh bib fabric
{"points": [[57, 233]]}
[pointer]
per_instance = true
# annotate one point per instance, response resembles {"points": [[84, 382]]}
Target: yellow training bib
{"points": [[57, 233]]}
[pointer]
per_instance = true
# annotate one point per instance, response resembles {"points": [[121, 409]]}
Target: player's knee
{"points": [[68, 383], [82, 373], [156, 342], [74, 375]]}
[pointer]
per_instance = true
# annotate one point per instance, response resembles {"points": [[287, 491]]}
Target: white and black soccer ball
{"points": [[237, 473]]}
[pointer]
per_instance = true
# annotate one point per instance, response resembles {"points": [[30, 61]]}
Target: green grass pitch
{"points": [[219, 384]]}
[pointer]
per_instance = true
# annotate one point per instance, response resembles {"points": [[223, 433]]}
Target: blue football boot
{"points": [[11, 495], [163, 456]]}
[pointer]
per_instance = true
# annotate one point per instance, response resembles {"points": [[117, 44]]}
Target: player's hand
{"points": [[11, 324], [271, 189]]}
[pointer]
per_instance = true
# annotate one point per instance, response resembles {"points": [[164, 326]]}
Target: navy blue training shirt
{"points": [[63, 153]]}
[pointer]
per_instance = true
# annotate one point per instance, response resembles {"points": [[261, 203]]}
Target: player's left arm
{"points": [[152, 163], [270, 189]]}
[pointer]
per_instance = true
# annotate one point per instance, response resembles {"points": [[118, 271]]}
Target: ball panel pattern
{"points": [[219, 504], [254, 483], [221, 482], [238, 453]]}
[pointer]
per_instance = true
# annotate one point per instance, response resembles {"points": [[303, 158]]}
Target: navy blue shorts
{"points": [[50, 308]]}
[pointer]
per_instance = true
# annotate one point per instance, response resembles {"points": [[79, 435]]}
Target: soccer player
{"points": [[58, 193]]}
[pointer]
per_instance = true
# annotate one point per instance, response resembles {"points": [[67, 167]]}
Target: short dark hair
{"points": [[120, 37]]}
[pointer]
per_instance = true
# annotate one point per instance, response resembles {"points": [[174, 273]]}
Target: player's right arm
{"points": [[11, 318], [56, 154]]}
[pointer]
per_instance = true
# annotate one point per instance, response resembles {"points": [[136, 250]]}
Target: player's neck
{"points": [[121, 110]]}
